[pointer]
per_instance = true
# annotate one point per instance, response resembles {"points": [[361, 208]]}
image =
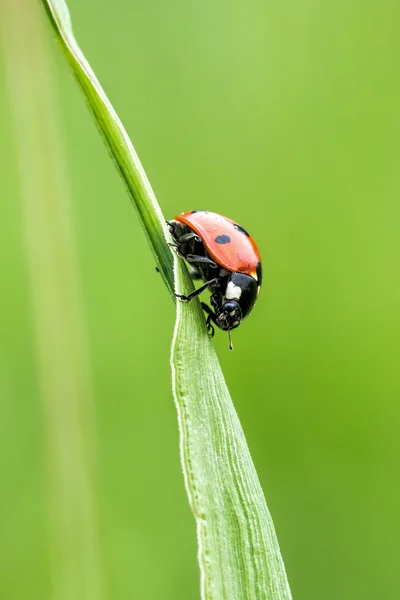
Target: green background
{"points": [[285, 117]]}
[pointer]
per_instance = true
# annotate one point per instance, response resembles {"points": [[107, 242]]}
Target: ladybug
{"points": [[226, 258]]}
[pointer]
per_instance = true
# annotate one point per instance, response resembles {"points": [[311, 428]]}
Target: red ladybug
{"points": [[226, 258]]}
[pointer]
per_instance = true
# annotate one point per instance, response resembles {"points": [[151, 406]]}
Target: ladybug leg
{"points": [[193, 258], [196, 292], [215, 300], [210, 328], [184, 239], [200, 260], [210, 317], [177, 249]]}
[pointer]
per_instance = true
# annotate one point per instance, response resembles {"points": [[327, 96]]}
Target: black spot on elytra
{"points": [[223, 239], [195, 211], [241, 229], [259, 273]]}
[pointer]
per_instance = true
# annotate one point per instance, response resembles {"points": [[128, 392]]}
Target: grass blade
{"points": [[239, 554], [116, 139], [64, 375]]}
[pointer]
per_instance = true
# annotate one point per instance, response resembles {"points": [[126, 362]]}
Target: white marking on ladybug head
{"points": [[233, 292]]}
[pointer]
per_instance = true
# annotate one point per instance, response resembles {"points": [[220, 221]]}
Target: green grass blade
{"points": [[239, 554], [62, 361], [116, 139]]}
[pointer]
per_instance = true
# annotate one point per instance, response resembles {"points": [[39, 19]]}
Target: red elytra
{"points": [[228, 244]]}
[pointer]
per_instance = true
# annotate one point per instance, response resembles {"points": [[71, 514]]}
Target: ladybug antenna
{"points": [[230, 340]]}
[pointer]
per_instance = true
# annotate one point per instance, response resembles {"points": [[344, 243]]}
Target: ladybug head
{"points": [[230, 315]]}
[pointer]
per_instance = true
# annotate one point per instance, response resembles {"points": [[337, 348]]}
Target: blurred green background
{"points": [[285, 117]]}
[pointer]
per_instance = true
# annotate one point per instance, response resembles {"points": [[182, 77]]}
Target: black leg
{"points": [[187, 237], [177, 249], [210, 317], [215, 299], [210, 327], [196, 292], [200, 260], [192, 258]]}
